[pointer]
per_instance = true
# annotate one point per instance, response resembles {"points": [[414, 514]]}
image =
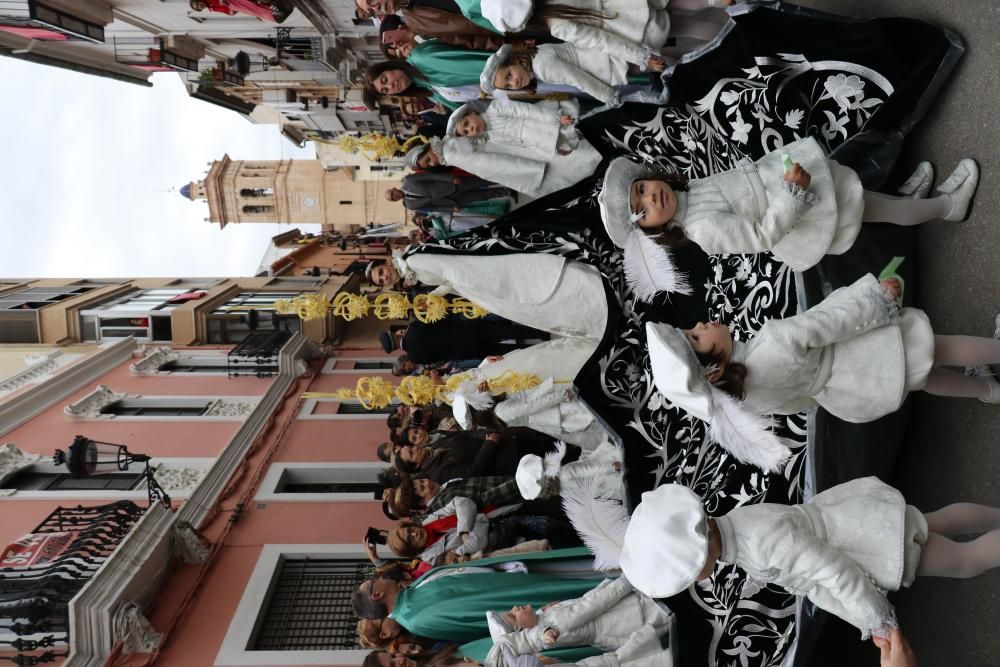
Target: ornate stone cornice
{"points": [[39, 367], [34, 399], [227, 408], [174, 478], [154, 361], [12, 461], [90, 406]]}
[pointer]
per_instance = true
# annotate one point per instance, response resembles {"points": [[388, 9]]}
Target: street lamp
{"points": [[88, 457]]}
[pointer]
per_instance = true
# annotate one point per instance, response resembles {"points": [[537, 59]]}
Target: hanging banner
{"points": [[36, 549]]}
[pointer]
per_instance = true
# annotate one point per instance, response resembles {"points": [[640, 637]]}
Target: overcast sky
{"points": [[90, 170]]}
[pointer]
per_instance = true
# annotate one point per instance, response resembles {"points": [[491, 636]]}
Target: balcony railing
{"points": [[151, 52], [257, 354], [42, 571]]}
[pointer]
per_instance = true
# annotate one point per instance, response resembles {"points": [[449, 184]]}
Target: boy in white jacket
{"points": [[607, 618], [531, 148]]}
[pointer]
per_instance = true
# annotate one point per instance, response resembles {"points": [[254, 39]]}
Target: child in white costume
{"points": [[635, 30], [546, 292], [594, 73], [532, 148], [550, 407], [841, 549], [853, 354], [606, 618], [812, 209]]}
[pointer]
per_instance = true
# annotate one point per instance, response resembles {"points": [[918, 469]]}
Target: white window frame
{"points": [[184, 357], [306, 412], [228, 408], [138, 493], [331, 366], [366, 471], [234, 652]]}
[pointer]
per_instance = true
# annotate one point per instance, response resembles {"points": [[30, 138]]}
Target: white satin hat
{"points": [[666, 542]]}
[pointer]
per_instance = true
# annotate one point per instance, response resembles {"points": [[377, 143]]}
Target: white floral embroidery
{"points": [[793, 118], [843, 89]]}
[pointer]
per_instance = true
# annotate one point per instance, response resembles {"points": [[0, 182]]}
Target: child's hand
{"points": [[565, 119], [550, 636], [483, 386], [798, 176], [895, 650], [656, 64], [892, 286], [548, 606]]}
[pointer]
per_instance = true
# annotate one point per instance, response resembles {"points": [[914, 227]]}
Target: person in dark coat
{"points": [[456, 338], [444, 193]]}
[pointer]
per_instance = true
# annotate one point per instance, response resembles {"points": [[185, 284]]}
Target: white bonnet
{"points": [[666, 542]]}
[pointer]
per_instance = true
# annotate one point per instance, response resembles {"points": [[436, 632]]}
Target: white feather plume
{"points": [[600, 521], [649, 268], [747, 436], [478, 400], [553, 460]]}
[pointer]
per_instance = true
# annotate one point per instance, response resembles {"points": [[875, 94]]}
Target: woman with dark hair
{"points": [[446, 75]]}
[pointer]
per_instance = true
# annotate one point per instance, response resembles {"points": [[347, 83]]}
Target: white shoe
{"points": [[960, 188], [918, 185], [994, 396]]}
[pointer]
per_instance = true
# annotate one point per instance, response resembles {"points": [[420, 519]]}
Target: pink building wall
{"points": [[202, 624], [51, 429]]}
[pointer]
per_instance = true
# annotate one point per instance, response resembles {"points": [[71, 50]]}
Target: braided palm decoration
{"points": [[376, 146], [428, 308], [374, 393]]}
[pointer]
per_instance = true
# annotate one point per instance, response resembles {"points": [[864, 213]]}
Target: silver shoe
{"points": [[918, 185], [960, 188]]}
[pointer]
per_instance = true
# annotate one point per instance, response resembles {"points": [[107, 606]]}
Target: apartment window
{"points": [[65, 23], [258, 209], [344, 202], [309, 608], [30, 480], [351, 365], [34, 298], [195, 366], [144, 407], [336, 409], [104, 403], [247, 312], [320, 482], [144, 314], [296, 608]]}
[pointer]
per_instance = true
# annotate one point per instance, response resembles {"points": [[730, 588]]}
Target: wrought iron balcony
{"points": [[257, 354], [42, 571]]}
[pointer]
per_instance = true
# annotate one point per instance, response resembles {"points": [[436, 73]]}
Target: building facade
{"points": [[272, 483], [198, 311], [298, 192]]}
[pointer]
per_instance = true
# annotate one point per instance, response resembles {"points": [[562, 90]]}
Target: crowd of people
{"points": [[495, 492]]}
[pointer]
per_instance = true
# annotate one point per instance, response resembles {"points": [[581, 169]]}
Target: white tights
{"points": [[904, 210], [943, 557], [961, 351]]}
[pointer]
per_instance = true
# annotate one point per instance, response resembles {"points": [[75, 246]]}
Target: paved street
{"points": [[952, 452]]}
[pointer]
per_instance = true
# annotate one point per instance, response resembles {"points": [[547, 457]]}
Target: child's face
{"points": [[711, 339], [522, 616], [471, 125], [656, 198], [428, 159], [512, 76]]}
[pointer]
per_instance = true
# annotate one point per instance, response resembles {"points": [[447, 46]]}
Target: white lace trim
{"points": [[795, 197]]}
